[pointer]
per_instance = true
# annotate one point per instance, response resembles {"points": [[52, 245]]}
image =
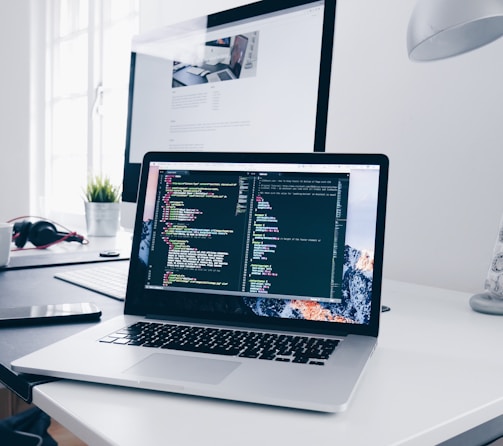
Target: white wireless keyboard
{"points": [[109, 279]]}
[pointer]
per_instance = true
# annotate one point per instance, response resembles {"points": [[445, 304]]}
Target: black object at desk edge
{"points": [[23, 383], [29, 339]]}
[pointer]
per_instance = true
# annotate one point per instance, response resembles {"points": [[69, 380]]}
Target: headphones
{"points": [[42, 234]]}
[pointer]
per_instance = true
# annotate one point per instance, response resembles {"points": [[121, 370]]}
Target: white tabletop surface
{"points": [[436, 372], [121, 242]]}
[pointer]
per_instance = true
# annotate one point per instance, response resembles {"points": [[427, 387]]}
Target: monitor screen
{"points": [[249, 79]]}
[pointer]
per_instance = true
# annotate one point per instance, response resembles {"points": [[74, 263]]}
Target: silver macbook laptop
{"points": [[253, 277]]}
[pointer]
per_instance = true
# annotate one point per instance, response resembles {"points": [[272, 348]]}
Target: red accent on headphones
{"points": [[42, 233]]}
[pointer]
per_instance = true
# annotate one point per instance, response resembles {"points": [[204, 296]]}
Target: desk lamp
{"points": [[439, 29]]}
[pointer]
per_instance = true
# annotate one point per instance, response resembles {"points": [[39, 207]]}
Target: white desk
{"points": [[72, 252], [437, 372]]}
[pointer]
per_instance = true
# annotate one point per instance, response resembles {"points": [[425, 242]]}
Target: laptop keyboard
{"points": [[246, 344]]}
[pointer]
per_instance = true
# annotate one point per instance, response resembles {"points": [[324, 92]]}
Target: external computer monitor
{"points": [[252, 78]]}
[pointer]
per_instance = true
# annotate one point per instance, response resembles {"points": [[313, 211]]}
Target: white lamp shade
{"points": [[443, 28]]}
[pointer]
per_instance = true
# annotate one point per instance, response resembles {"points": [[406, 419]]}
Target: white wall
{"points": [[440, 124], [156, 13], [14, 109]]}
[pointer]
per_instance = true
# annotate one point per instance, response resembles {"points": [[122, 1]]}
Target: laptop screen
{"points": [[276, 240]]}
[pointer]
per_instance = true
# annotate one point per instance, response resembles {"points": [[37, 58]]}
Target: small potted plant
{"points": [[102, 205]]}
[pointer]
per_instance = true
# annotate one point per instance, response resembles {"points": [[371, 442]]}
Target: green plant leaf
{"points": [[101, 190]]}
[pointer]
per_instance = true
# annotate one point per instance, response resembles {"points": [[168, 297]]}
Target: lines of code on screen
{"points": [[274, 234]]}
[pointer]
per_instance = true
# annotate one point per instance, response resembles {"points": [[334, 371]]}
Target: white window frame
{"points": [[43, 15]]}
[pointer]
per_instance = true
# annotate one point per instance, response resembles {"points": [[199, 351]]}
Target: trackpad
{"points": [[183, 368]]}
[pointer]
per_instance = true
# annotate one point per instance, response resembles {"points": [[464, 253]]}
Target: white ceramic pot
{"points": [[102, 219]]}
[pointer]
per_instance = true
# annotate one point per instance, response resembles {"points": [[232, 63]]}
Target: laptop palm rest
{"points": [[183, 368]]}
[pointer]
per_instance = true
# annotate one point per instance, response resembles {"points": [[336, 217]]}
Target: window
{"points": [[87, 75]]}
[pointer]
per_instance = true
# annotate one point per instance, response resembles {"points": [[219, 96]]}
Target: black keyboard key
{"points": [[301, 359], [249, 354]]}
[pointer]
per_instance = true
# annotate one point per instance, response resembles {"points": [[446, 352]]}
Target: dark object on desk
{"points": [[42, 233], [30, 287], [49, 314], [184, 77], [385, 308], [29, 428], [110, 253]]}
